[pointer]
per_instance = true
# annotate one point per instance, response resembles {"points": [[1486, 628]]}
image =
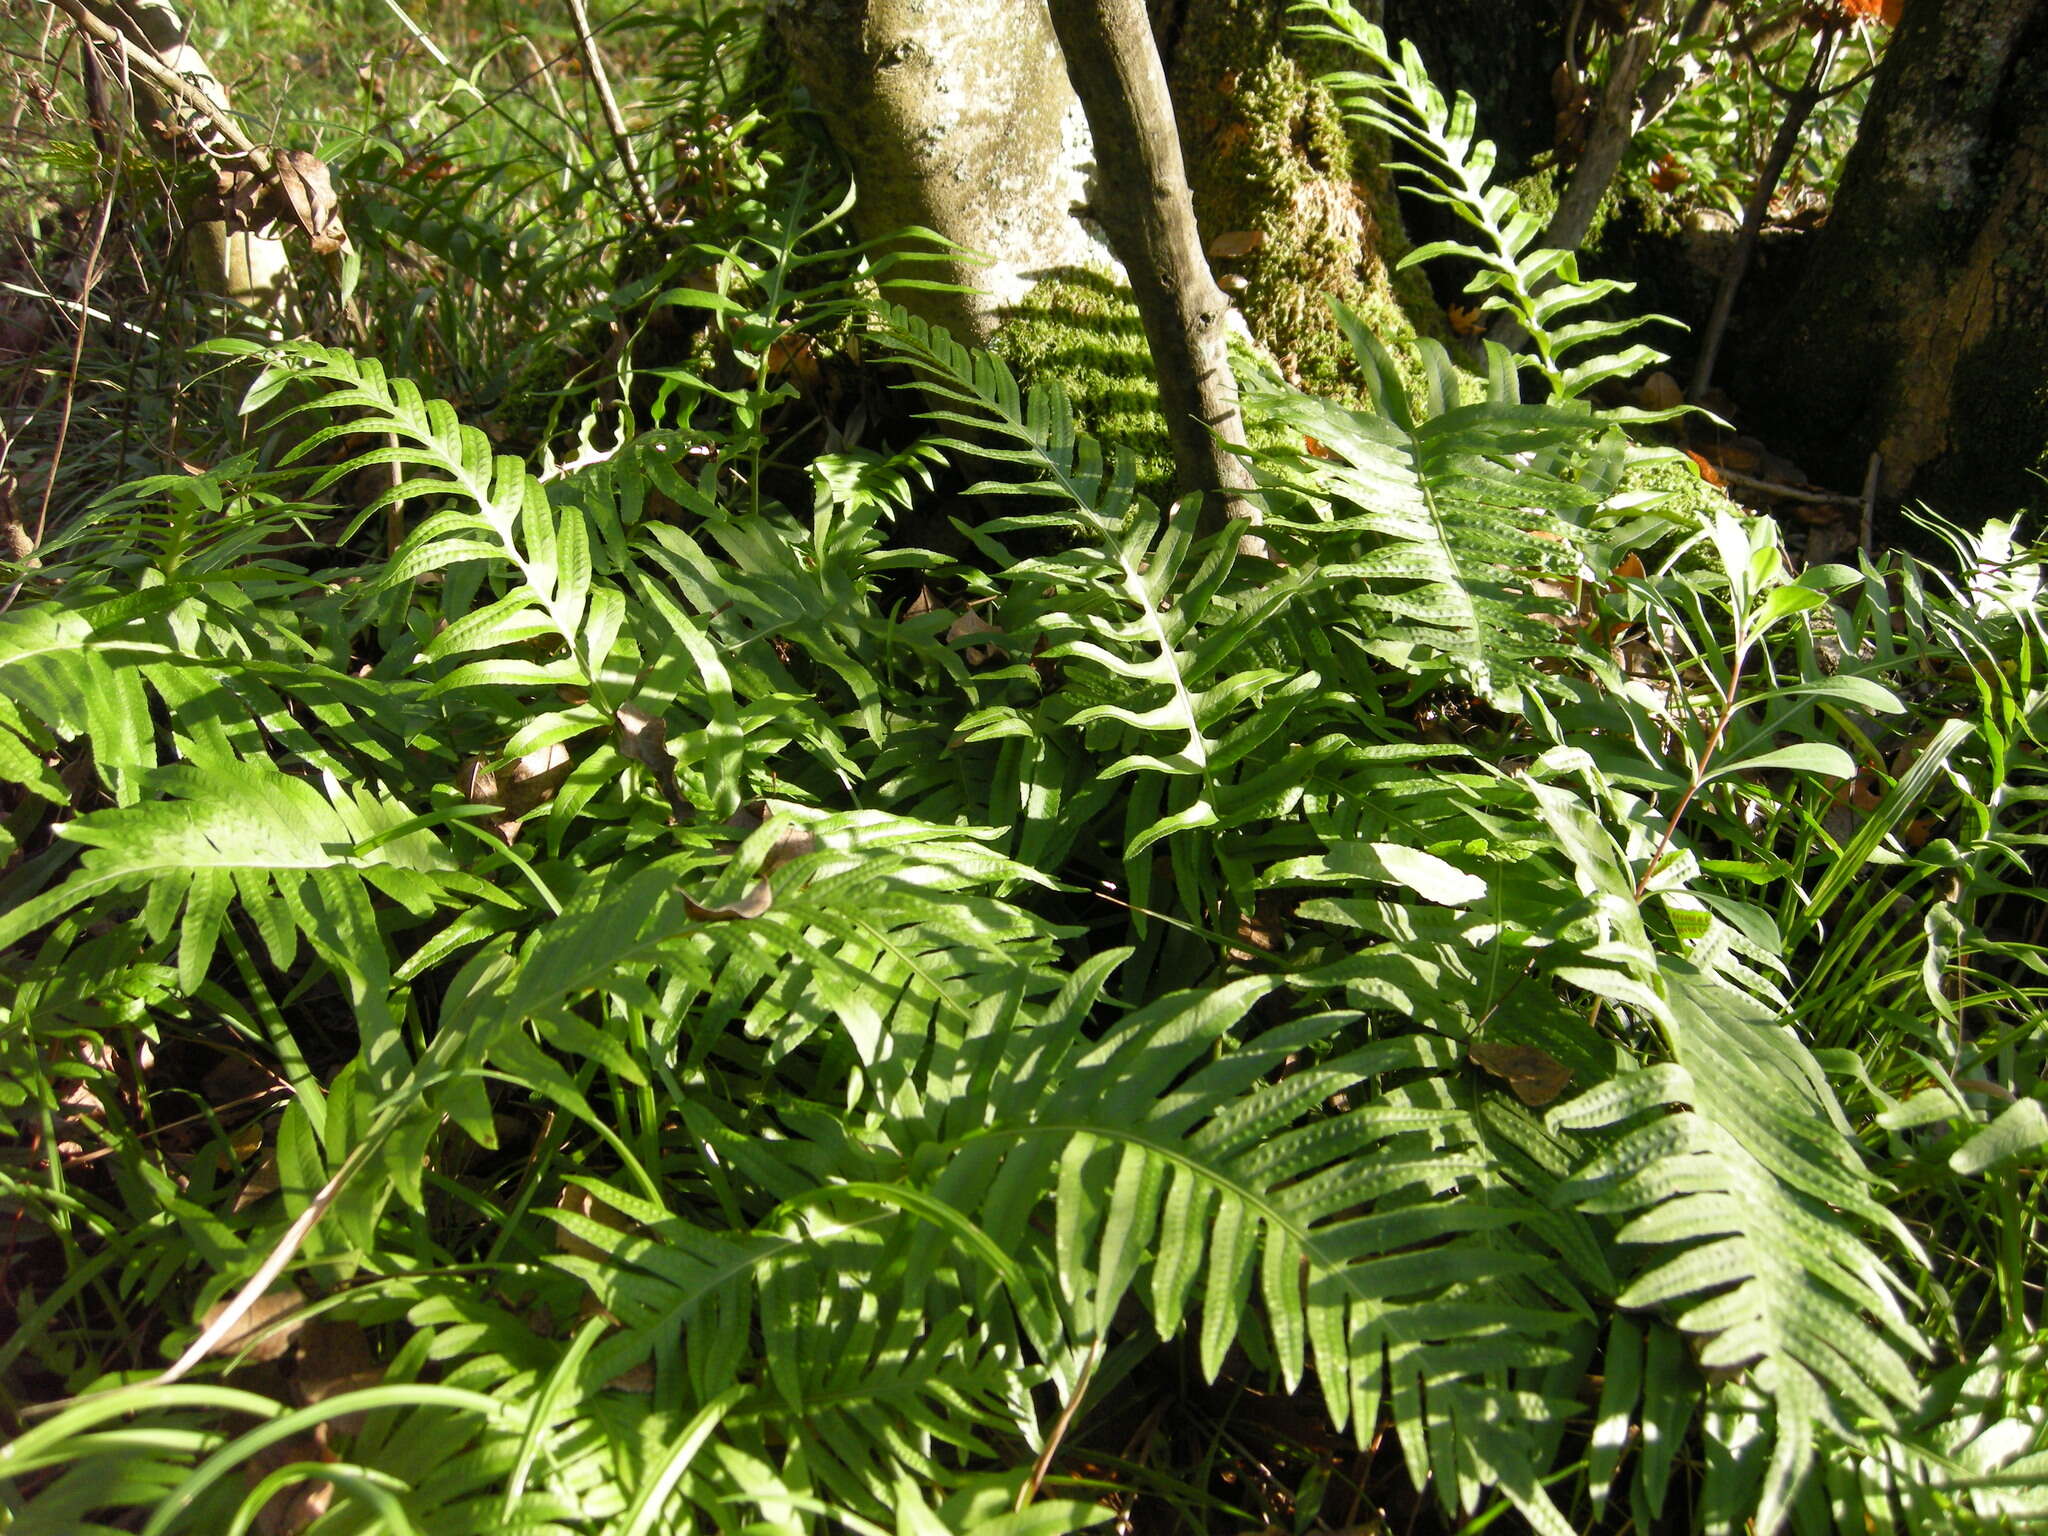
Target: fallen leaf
{"points": [[643, 738], [333, 1358], [795, 354], [533, 779], [1238, 242], [1535, 1075], [1707, 471], [296, 1505], [1467, 319], [972, 623], [754, 904], [269, 1317], [1659, 392], [579, 1201], [792, 839]]}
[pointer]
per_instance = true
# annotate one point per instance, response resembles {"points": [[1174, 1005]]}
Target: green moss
{"points": [[1684, 494], [1080, 328], [1269, 156]]}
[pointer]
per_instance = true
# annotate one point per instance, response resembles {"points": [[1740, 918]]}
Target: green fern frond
{"points": [[1537, 286]]}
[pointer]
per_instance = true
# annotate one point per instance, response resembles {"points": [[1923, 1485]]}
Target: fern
{"points": [[1535, 286], [1447, 527]]}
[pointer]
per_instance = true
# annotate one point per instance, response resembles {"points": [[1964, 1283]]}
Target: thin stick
{"points": [[161, 75], [593, 61], [86, 281], [1789, 492], [1870, 477], [1059, 1429], [259, 1283]]}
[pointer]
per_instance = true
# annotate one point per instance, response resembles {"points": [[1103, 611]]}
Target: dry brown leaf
{"points": [[754, 904], [333, 1358], [969, 624], [792, 840], [262, 1181], [534, 778], [643, 738], [1707, 471], [795, 354], [269, 1317], [15, 543], [1236, 243], [1536, 1076], [1466, 319], [1660, 392], [581, 1202], [308, 192], [637, 1379]]}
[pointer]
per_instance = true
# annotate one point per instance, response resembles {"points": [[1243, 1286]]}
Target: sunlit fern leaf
{"points": [[1441, 531], [1536, 286], [1730, 1167]]}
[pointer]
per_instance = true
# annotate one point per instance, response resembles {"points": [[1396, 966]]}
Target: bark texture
{"points": [[1142, 201], [1920, 331], [956, 116]]}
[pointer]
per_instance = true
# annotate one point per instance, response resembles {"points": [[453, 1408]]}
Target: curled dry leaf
{"points": [[759, 898], [1536, 1076], [15, 543], [307, 189], [643, 739], [792, 840], [266, 1329], [1466, 319], [534, 778], [965, 627]]}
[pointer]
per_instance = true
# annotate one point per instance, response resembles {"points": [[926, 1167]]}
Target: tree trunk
{"points": [[251, 270], [1298, 208], [954, 116], [1920, 331]]}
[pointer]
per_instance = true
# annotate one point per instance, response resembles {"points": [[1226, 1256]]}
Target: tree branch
{"points": [[1148, 213]]}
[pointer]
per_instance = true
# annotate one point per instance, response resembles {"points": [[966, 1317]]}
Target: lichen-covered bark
{"points": [[956, 116], [1921, 329]]}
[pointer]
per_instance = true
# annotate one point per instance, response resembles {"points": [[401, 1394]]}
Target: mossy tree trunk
{"points": [[1295, 206], [1920, 330]]}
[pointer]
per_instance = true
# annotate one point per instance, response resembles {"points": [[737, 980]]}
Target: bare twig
{"points": [[1757, 211], [1870, 477], [1787, 492], [614, 120], [86, 281], [164, 78], [1059, 1429]]}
